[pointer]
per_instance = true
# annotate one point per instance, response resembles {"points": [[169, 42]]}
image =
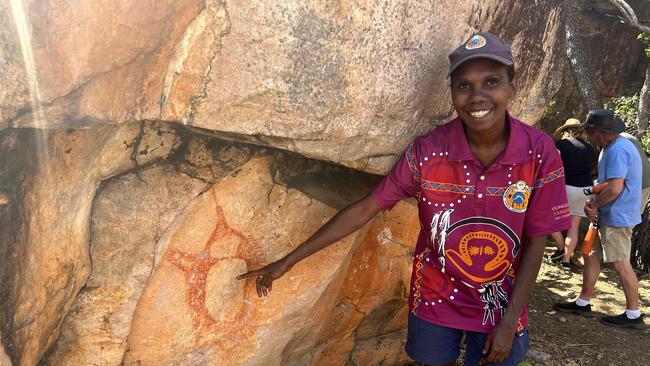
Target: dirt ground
{"points": [[568, 339]]}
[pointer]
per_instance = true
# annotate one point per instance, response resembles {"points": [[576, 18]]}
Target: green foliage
{"points": [[645, 38], [626, 108], [645, 141], [551, 110]]}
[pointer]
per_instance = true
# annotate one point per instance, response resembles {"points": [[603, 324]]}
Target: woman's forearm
{"points": [[344, 223]]}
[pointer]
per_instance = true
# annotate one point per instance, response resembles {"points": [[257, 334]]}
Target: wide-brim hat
{"points": [[481, 45], [604, 120], [570, 123]]}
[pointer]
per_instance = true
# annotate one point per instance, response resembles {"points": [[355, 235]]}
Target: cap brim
{"points": [[490, 56]]}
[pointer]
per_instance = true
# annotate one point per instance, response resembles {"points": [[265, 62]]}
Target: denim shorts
{"points": [[436, 345]]}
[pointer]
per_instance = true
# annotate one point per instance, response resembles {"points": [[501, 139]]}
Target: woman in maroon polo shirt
{"points": [[489, 189]]}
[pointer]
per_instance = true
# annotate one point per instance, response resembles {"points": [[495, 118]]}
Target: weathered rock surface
{"points": [[123, 221], [192, 309], [129, 217], [617, 62], [58, 174], [349, 83], [164, 250], [14, 93], [366, 326], [345, 82], [4, 359]]}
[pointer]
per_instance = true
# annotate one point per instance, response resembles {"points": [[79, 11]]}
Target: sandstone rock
{"points": [[4, 359], [355, 82], [103, 62], [14, 93], [189, 69], [384, 350], [372, 302], [193, 311], [130, 214], [50, 256], [129, 217], [97, 267], [350, 83]]}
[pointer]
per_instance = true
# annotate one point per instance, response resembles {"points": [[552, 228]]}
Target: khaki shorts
{"points": [[615, 243]]}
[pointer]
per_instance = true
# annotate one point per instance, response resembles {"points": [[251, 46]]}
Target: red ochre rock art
{"points": [[208, 331]]}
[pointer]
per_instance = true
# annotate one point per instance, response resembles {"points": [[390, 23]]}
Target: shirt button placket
{"points": [[481, 185]]}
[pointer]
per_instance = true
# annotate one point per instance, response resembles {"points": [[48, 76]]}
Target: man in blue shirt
{"points": [[617, 208]]}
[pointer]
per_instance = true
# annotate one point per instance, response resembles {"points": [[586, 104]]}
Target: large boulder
{"points": [[367, 325], [130, 215], [345, 82], [55, 177], [616, 60], [166, 248], [194, 311], [131, 192]]}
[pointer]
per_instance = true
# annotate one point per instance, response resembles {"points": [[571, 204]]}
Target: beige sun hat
{"points": [[570, 123]]}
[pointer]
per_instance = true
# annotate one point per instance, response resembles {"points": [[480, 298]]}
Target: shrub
{"points": [[627, 108]]}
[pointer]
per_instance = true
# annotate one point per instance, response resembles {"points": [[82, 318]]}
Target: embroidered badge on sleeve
{"points": [[516, 197]]}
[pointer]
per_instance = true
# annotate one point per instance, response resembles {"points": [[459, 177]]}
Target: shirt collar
{"points": [[459, 150]]}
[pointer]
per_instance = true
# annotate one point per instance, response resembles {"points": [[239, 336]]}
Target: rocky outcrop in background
{"points": [[150, 151], [617, 61]]}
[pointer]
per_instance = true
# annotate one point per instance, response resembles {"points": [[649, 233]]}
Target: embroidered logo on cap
{"points": [[475, 42], [516, 197]]}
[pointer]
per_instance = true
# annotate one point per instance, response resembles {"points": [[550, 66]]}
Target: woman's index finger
{"points": [[247, 275]]}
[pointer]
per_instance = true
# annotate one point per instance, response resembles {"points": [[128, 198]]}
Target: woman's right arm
{"points": [[344, 223]]}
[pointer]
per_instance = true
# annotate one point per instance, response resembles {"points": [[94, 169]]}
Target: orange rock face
{"points": [[193, 310], [48, 262], [372, 304]]}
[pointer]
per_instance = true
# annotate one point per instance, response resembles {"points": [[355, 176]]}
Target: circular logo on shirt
{"points": [[483, 250], [516, 197], [481, 256], [475, 42]]}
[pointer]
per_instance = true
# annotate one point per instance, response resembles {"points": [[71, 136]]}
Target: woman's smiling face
{"points": [[480, 91]]}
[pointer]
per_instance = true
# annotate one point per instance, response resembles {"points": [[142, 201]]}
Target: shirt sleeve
{"points": [[401, 182], [617, 163], [548, 210]]}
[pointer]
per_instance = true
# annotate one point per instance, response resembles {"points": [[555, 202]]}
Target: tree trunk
{"points": [[580, 67], [629, 17], [644, 103]]}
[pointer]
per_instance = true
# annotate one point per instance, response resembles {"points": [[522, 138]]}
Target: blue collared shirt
{"points": [[621, 160]]}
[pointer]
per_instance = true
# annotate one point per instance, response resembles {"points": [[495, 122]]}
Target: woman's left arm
{"points": [[499, 341]]}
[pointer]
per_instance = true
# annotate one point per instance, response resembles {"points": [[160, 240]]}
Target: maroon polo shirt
{"points": [[474, 219]]}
